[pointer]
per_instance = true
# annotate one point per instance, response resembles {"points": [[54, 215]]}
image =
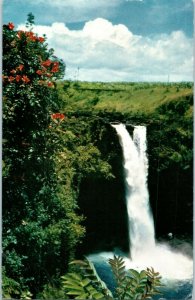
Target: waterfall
{"points": [[141, 225], [144, 251]]}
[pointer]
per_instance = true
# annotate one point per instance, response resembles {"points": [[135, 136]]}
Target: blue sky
{"points": [[118, 40]]}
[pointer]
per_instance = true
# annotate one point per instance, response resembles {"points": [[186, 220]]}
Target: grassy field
{"points": [[120, 97]]}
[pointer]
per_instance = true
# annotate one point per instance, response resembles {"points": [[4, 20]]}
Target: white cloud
{"points": [[103, 30], [106, 52]]}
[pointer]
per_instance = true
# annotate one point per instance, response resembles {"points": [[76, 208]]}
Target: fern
{"points": [[134, 285], [153, 283], [130, 285], [118, 268]]}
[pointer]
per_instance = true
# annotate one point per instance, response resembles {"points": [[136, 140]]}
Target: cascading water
{"points": [[141, 227]]}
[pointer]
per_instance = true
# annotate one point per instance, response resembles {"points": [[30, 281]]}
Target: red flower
{"points": [[20, 67], [46, 63], [58, 116], [30, 35], [32, 38], [41, 39], [50, 84], [53, 116], [11, 26], [39, 72], [55, 67], [62, 116], [18, 77], [25, 79], [13, 71], [11, 78]]}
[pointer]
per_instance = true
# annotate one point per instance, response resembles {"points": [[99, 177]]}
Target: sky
{"points": [[114, 40]]}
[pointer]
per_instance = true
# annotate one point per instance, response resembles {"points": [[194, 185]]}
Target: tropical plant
{"points": [[36, 219], [85, 283], [45, 156]]}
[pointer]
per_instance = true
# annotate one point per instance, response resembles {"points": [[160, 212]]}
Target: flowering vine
{"points": [[45, 71]]}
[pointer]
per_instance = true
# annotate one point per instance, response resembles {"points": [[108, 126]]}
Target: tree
{"points": [[38, 240]]}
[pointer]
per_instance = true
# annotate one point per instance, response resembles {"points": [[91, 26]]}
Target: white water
{"points": [[144, 251], [141, 227]]}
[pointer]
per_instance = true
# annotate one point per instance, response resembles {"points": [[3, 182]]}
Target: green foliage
{"points": [[174, 136], [136, 286], [51, 291], [84, 282], [26, 295], [10, 287], [153, 283], [80, 287], [133, 284], [118, 269]]}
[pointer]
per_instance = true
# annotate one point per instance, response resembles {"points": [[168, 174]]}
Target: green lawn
{"points": [[120, 97]]}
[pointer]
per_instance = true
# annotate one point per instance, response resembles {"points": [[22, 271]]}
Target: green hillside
{"points": [[120, 97]]}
